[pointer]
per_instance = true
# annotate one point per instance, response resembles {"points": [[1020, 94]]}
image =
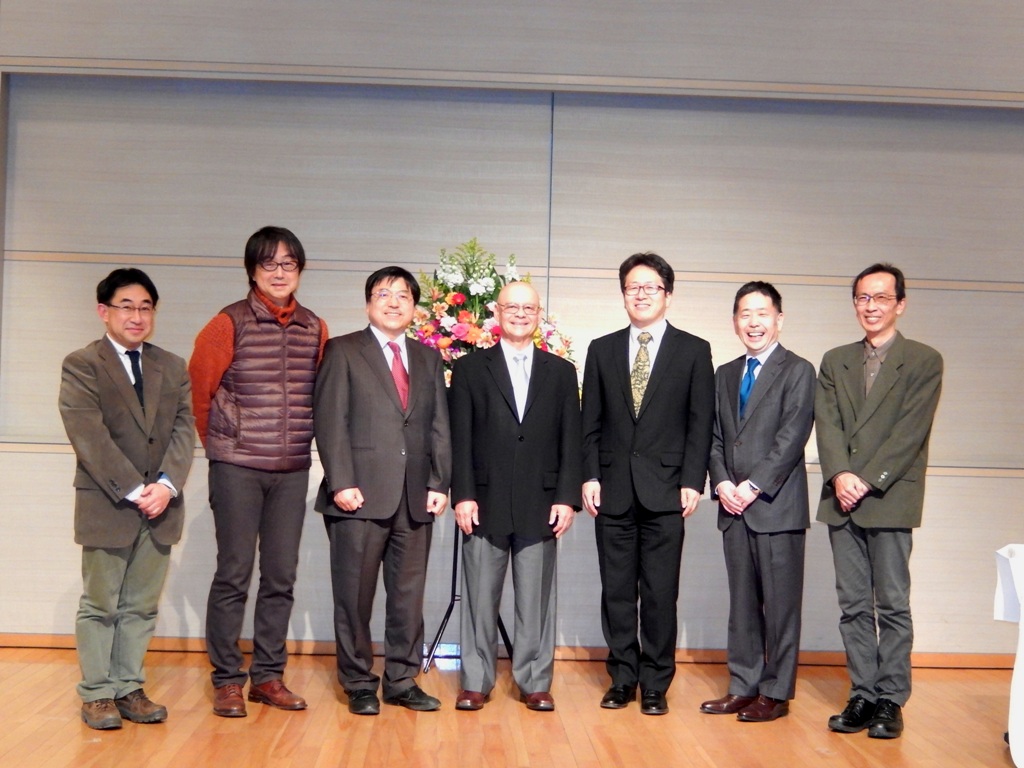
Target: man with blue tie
{"points": [[764, 414], [515, 415]]}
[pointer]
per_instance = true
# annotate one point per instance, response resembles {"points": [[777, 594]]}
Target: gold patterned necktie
{"points": [[641, 371]]}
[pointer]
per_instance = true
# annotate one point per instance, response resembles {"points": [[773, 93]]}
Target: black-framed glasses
{"points": [[269, 265], [649, 288]]}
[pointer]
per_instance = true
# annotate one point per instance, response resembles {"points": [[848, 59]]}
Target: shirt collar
{"points": [[120, 349], [763, 356], [657, 331], [383, 340]]}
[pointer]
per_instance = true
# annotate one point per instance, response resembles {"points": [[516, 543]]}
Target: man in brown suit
{"points": [[380, 416], [127, 410]]}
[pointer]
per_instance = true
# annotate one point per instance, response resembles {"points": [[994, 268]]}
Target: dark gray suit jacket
{"points": [[119, 446], [366, 440], [883, 438], [515, 471], [767, 445]]}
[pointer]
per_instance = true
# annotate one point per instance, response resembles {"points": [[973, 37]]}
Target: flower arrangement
{"points": [[456, 311]]}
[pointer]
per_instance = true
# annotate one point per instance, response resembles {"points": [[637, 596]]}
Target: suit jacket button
{"points": [[152, 440], [405, 423], [403, 451], [636, 453], [521, 438], [854, 450]]}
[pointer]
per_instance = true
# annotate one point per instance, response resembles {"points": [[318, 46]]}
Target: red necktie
{"points": [[399, 374]]}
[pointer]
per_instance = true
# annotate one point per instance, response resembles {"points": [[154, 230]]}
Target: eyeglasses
{"points": [[649, 288], [269, 265], [384, 295], [880, 299], [514, 309], [131, 309]]}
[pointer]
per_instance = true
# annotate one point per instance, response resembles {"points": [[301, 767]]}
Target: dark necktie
{"points": [[747, 385], [133, 356], [399, 374]]}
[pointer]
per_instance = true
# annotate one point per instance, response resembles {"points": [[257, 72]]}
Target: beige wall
{"points": [[172, 174]]}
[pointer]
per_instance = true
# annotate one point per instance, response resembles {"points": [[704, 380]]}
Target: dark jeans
{"points": [[253, 508]]}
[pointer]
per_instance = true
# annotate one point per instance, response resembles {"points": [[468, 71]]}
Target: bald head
{"points": [[518, 313]]}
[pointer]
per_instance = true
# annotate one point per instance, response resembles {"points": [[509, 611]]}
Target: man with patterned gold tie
{"points": [[648, 410], [380, 416]]}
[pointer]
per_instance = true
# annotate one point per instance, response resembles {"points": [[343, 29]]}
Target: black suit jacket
{"points": [[767, 445], [666, 447], [515, 471], [365, 439]]}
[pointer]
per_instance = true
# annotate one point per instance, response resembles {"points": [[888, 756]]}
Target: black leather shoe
{"points": [[887, 722], [363, 702], [414, 698], [618, 696], [653, 703], [855, 717]]}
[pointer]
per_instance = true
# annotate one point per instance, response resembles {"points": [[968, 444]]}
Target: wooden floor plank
{"points": [[956, 718]]}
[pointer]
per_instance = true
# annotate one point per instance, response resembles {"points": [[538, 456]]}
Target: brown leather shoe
{"points": [[727, 705], [470, 701], [274, 693], [101, 715], [228, 701], [540, 701], [137, 707], [764, 710]]}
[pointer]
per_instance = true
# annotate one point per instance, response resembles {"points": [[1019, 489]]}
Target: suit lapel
{"points": [[665, 352], [374, 356], [538, 379], [119, 375], [152, 384], [498, 370], [769, 373], [621, 365], [731, 385], [888, 375]]}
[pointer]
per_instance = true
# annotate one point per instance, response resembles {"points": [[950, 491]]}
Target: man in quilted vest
{"points": [[253, 371]]}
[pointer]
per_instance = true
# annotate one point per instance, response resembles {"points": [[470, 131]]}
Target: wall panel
{"points": [[174, 175], [865, 47], [810, 189]]}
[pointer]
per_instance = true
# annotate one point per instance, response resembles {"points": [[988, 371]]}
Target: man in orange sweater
{"points": [[253, 371]]}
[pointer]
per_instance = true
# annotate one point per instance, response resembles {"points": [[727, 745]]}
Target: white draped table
{"points": [[1009, 594]]}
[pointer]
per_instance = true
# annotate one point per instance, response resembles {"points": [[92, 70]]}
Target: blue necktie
{"points": [[747, 385]]}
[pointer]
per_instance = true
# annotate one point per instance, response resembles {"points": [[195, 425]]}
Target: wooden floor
{"points": [[956, 718]]}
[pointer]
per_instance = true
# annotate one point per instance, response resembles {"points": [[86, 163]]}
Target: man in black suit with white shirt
{"points": [[648, 409], [515, 414]]}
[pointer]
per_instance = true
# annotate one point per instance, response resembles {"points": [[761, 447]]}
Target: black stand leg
{"points": [[432, 651]]}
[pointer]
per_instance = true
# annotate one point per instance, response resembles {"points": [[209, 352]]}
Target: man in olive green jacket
{"points": [[874, 408]]}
